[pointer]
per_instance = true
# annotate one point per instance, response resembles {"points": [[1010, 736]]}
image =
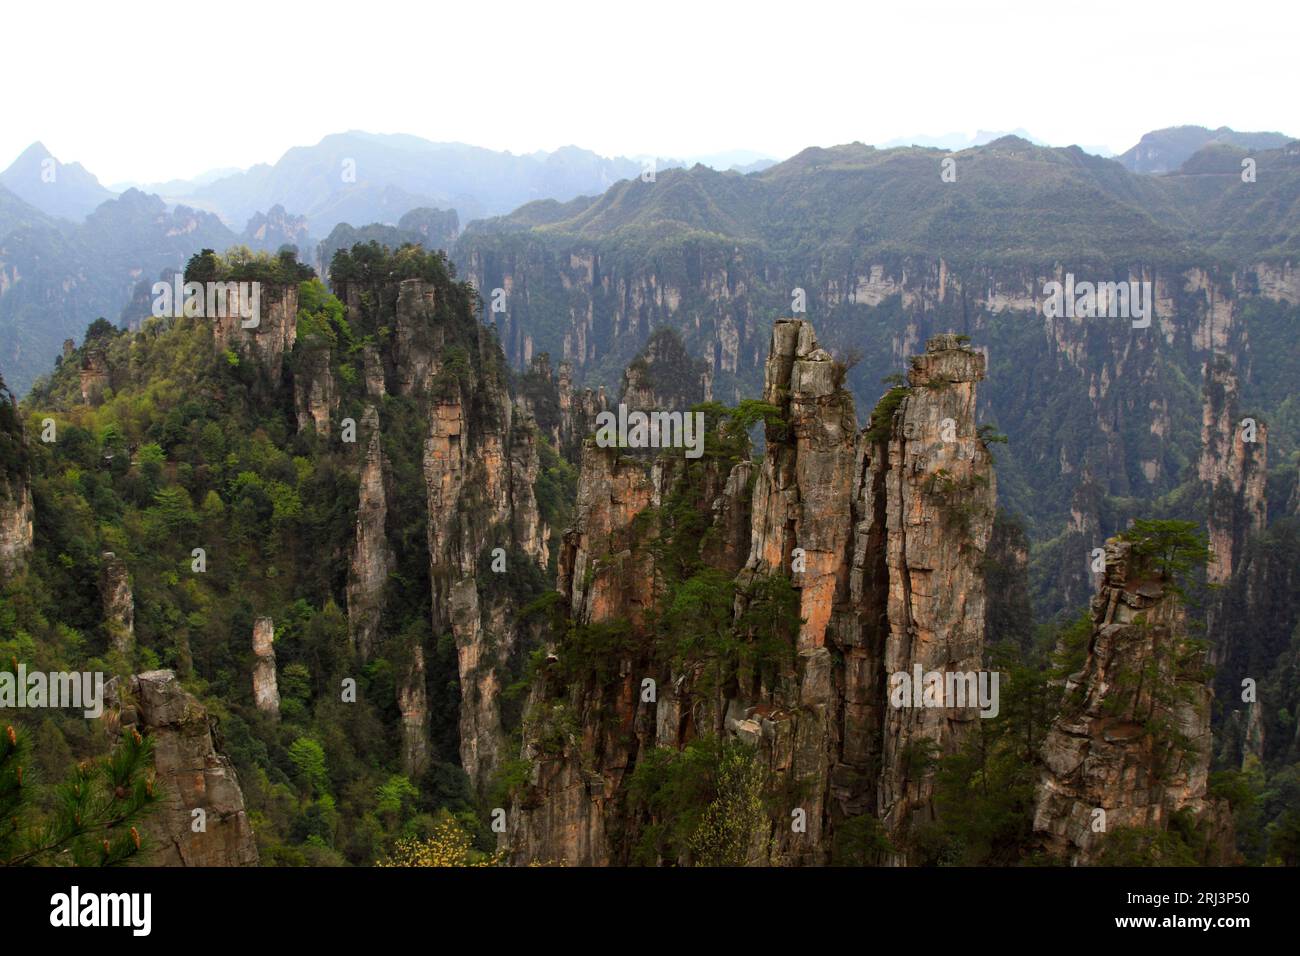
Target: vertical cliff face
{"points": [[479, 460], [272, 338], [16, 508], [932, 483], [1133, 737], [802, 527], [1234, 467], [664, 375], [118, 603], [371, 555], [201, 820], [880, 536], [266, 693], [413, 703], [1097, 410], [94, 376], [315, 398], [16, 527], [577, 761]]}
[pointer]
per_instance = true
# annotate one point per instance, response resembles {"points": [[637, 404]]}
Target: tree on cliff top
{"points": [[1171, 548]]}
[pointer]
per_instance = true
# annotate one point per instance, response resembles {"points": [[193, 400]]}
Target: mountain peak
{"points": [[35, 151], [55, 188]]}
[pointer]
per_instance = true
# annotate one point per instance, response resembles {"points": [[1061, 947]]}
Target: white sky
{"points": [[150, 90]]}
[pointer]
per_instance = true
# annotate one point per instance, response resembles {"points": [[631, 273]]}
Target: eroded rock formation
{"points": [[314, 394], [94, 375], [1234, 467], [880, 533], [16, 508], [479, 461], [1131, 747], [372, 557], [266, 693], [272, 338], [118, 603], [201, 820]]}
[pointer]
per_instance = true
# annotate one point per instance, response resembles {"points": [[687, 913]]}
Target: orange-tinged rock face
{"points": [[871, 538]]}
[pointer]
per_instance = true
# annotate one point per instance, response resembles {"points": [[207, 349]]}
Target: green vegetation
{"points": [[90, 819], [191, 450], [1171, 548], [705, 805]]}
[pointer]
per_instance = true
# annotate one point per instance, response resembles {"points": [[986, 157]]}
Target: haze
{"points": [[238, 83]]}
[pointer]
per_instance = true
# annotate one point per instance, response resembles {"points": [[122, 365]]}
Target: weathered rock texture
{"points": [[930, 492], [881, 539], [118, 602], [479, 462], [191, 773], [16, 528], [1234, 466], [274, 335], [94, 375], [665, 376], [1133, 735], [314, 394], [266, 693], [16, 509], [1095, 403], [372, 557], [413, 703]]}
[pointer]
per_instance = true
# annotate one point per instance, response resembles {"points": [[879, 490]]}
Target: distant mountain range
{"points": [[363, 177], [72, 250], [1165, 150]]}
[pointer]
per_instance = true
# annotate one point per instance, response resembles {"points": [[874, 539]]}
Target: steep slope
{"points": [[1128, 757], [1102, 417], [683, 651], [55, 280], [203, 821], [325, 525]]}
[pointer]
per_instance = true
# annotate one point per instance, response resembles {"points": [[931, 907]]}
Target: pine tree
{"points": [[95, 810]]}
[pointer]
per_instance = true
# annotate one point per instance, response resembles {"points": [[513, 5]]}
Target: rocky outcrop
{"points": [[479, 461], [16, 509], [1132, 739], [578, 409], [881, 535], [16, 525], [1089, 399], [1234, 467], [665, 376], [570, 807], [930, 491], [314, 394], [201, 820], [118, 603], [599, 571], [94, 375], [272, 338], [413, 703], [372, 558], [266, 693]]}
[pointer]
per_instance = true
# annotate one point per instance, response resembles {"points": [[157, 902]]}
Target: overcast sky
{"points": [[149, 90]]}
